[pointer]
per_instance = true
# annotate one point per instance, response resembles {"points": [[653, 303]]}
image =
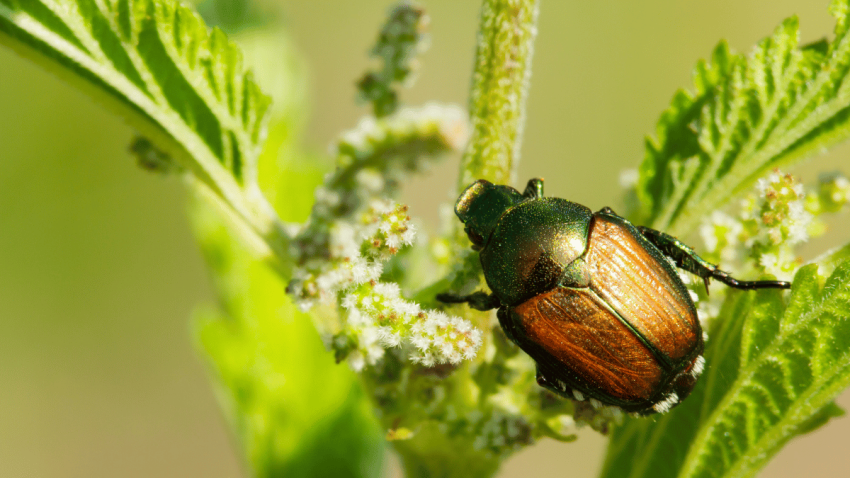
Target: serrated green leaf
{"points": [[787, 382], [157, 64], [747, 115], [761, 326], [821, 418], [772, 373], [830, 259]]}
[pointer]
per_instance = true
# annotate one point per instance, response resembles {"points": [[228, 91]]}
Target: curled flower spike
{"points": [[372, 160], [402, 38], [373, 157]]}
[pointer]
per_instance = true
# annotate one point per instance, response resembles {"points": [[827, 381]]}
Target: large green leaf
{"points": [[295, 412], [746, 116]]}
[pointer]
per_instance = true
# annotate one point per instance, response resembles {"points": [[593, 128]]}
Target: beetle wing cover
{"points": [[576, 329], [635, 279]]}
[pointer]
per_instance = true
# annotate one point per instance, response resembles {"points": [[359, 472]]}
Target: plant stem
{"points": [[500, 80]]}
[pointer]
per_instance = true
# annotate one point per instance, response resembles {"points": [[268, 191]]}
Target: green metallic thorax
{"points": [[530, 245]]}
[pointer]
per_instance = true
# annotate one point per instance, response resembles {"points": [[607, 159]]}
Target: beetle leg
{"points": [[685, 258], [477, 300], [559, 387], [507, 325], [607, 210], [534, 189]]}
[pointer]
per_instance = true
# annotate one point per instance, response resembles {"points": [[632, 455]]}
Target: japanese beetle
{"points": [[595, 301]]}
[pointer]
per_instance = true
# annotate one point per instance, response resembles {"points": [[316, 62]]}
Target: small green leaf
{"points": [[821, 418]]}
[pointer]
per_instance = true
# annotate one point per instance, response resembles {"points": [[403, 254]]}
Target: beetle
{"points": [[594, 300]]}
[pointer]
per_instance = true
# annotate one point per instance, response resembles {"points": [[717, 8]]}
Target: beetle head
{"points": [[481, 205]]}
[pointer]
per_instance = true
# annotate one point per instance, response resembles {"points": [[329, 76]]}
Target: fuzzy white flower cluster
{"points": [[441, 338], [389, 232], [355, 254], [779, 210], [774, 219], [379, 318]]}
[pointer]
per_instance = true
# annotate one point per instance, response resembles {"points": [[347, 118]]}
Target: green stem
{"points": [[253, 219], [500, 82], [432, 454]]}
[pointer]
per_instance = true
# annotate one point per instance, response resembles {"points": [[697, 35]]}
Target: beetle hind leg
{"points": [[686, 259], [558, 387]]}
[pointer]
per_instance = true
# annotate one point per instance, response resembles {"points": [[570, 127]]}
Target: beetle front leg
{"points": [[477, 300], [687, 259]]}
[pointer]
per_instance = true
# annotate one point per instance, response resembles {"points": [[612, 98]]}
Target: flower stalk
{"points": [[500, 81]]}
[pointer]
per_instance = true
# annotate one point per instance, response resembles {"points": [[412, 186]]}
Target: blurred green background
{"points": [[99, 273]]}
